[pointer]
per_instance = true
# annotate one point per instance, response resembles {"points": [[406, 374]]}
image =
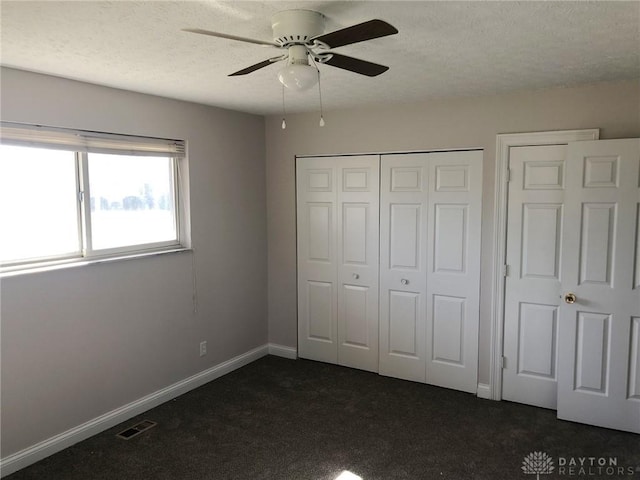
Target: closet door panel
{"points": [[316, 185], [358, 243], [453, 269], [403, 234]]}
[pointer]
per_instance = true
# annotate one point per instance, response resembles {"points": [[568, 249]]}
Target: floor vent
{"points": [[136, 430]]}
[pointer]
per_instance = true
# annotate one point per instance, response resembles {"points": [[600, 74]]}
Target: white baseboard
{"points": [[30, 455], [484, 391], [283, 351]]}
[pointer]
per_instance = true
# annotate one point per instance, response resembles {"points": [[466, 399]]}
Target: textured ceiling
{"points": [[443, 48]]}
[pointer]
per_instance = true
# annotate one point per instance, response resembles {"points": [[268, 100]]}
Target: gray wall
{"points": [[453, 123], [80, 342]]}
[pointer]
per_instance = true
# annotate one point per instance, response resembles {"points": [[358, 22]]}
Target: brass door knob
{"points": [[570, 298]]}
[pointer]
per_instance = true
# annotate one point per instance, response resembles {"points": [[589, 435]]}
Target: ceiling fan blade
{"points": [[355, 65], [230, 37], [357, 33], [257, 66]]}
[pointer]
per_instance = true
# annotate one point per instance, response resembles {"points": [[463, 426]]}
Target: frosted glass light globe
{"points": [[298, 77]]}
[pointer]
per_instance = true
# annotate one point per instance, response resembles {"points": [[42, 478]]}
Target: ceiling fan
{"points": [[301, 34]]}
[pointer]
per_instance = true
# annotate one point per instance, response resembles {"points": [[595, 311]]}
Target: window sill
{"points": [[81, 262]]}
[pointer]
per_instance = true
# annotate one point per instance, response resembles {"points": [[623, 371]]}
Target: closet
{"points": [[430, 267], [337, 210], [389, 263]]}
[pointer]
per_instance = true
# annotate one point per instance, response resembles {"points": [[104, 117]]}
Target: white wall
{"points": [[80, 342], [452, 123]]}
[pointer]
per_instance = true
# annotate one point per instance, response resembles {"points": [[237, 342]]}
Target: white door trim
{"points": [[503, 143]]}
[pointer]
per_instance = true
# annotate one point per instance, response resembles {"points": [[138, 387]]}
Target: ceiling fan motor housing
{"points": [[296, 27]]}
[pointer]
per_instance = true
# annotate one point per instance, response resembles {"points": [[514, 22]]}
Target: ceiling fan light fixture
{"points": [[298, 77], [301, 33]]}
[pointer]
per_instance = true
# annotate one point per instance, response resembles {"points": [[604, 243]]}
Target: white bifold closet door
{"points": [[338, 238], [430, 219]]}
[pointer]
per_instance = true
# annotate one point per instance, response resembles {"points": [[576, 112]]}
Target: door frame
{"points": [[503, 143]]}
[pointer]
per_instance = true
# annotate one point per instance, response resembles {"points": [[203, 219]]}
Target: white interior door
{"points": [[316, 184], [532, 285], [430, 219], [599, 334], [358, 233]]}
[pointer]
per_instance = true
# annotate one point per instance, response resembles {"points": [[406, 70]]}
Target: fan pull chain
{"points": [[284, 111], [320, 95], [319, 91]]}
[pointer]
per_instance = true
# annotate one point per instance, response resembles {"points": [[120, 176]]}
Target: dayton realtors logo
{"points": [[539, 463], [591, 466]]}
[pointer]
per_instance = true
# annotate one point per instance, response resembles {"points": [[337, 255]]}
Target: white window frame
{"points": [[86, 225], [82, 143]]}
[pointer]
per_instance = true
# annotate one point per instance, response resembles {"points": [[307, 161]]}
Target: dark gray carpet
{"points": [[285, 419]]}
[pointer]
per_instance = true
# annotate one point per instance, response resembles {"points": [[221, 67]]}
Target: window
{"points": [[131, 200], [69, 195]]}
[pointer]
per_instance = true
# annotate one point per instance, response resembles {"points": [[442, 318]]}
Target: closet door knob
{"points": [[404, 281], [356, 276]]}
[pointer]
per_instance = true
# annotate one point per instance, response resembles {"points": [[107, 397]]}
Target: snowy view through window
{"points": [[131, 202], [38, 203]]}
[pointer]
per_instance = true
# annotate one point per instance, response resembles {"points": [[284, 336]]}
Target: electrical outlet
{"points": [[203, 348]]}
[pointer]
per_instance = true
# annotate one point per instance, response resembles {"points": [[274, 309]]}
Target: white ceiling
{"points": [[443, 48]]}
